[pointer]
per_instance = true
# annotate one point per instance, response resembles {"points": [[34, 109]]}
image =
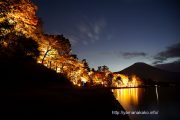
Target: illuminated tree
{"points": [[109, 79], [5, 28], [53, 46], [21, 34], [21, 14]]}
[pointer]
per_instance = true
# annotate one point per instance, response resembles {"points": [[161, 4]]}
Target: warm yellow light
{"points": [[127, 97], [83, 79], [125, 80]]}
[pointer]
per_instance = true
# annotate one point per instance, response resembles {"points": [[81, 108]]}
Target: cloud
{"points": [[172, 51], [90, 31], [126, 55], [129, 55], [85, 31]]}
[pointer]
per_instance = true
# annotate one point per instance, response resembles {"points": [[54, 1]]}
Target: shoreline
{"points": [[58, 102]]}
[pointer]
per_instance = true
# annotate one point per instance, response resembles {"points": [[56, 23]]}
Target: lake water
{"points": [[151, 103]]}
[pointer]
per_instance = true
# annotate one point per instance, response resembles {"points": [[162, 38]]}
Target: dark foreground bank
{"points": [[59, 103], [31, 91]]}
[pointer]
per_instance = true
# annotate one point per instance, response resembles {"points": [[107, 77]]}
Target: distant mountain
{"points": [[147, 72]]}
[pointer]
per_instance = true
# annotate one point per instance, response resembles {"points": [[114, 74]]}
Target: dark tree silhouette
{"points": [[93, 70], [13, 46], [86, 65], [74, 56], [99, 69], [103, 68]]}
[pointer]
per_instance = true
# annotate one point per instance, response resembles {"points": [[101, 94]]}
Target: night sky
{"points": [[116, 33]]}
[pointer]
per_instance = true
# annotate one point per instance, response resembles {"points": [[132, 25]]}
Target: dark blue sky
{"points": [[116, 33]]}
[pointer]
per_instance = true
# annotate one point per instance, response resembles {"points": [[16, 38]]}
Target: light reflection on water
{"points": [[128, 98], [162, 99], [135, 99]]}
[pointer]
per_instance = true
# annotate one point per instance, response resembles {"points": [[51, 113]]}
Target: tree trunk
{"points": [[56, 67], [45, 56], [50, 64]]}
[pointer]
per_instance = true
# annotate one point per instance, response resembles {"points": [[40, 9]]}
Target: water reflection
{"points": [[164, 100], [157, 96], [128, 97]]}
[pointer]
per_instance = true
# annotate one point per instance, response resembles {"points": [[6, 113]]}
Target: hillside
{"points": [[31, 91], [147, 72], [16, 74]]}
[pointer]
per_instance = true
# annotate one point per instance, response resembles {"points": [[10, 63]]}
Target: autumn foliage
{"points": [[22, 37], [21, 33], [21, 14]]}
